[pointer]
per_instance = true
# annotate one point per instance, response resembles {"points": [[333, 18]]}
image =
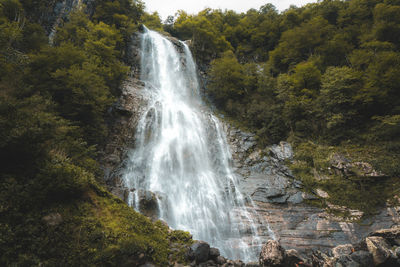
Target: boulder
{"points": [[200, 252], [220, 260], [148, 203], [380, 250], [214, 253], [272, 254]]}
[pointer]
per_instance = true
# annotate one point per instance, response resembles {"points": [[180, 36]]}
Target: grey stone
{"points": [[214, 253], [201, 251], [296, 198], [380, 250], [220, 260]]}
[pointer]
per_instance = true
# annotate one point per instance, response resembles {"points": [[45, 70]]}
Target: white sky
{"points": [[169, 7]]}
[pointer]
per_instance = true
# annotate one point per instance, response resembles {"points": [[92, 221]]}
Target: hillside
{"points": [[323, 79]]}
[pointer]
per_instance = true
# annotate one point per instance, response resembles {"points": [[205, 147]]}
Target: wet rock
{"points": [[380, 250], [220, 260], [214, 253], [53, 219], [148, 204], [200, 251], [272, 254]]}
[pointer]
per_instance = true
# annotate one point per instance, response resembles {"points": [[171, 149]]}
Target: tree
{"points": [[226, 79]]}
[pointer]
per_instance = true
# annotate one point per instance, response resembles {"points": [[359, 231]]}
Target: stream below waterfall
{"points": [[182, 156]]}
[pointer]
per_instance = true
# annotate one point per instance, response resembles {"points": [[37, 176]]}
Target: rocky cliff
{"points": [[263, 173], [281, 201]]}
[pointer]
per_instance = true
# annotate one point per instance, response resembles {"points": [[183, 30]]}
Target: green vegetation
{"points": [[313, 165], [53, 103], [96, 229], [327, 73]]}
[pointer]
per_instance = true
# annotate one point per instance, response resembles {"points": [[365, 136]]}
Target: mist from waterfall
{"points": [[181, 154]]}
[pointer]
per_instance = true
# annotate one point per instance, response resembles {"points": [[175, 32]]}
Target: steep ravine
{"points": [[263, 173]]}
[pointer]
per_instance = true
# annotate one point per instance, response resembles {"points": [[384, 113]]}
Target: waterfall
{"points": [[181, 155]]}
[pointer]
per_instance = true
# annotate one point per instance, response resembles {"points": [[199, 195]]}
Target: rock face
{"points": [[280, 200], [123, 119]]}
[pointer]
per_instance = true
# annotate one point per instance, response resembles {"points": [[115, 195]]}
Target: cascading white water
{"points": [[181, 155]]}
